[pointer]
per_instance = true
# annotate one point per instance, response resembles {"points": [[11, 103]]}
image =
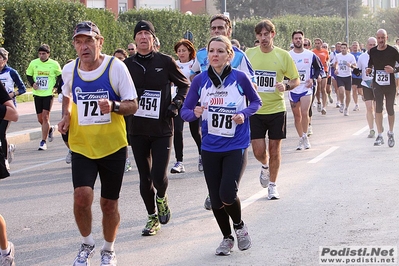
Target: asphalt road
{"points": [[341, 192]]}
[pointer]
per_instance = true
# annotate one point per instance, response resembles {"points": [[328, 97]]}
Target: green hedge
{"points": [[329, 29], [25, 24], [170, 26]]}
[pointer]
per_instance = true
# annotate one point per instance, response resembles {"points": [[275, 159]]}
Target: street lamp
{"points": [[347, 26]]}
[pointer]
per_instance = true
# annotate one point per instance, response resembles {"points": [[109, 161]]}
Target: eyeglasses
{"points": [[130, 49]]}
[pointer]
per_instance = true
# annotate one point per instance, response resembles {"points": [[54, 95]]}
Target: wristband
{"points": [[115, 106]]}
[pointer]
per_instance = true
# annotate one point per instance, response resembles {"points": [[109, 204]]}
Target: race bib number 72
{"points": [[88, 110]]}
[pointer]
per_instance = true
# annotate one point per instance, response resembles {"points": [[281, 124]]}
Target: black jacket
{"points": [[155, 72]]}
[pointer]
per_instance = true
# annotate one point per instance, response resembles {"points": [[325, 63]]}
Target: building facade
{"points": [[120, 6]]}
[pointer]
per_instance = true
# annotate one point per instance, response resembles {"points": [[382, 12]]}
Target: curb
{"points": [[28, 135]]}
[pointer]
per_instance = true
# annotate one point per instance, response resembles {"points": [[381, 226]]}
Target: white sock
{"points": [[89, 240], [265, 166], [272, 183], [108, 245], [5, 252]]}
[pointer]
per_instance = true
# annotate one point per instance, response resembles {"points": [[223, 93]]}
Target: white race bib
{"points": [[149, 104], [266, 80], [88, 110], [42, 82], [302, 76], [382, 77], [220, 122]]}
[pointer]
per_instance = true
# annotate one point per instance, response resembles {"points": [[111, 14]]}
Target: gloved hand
{"points": [[173, 111], [356, 71]]}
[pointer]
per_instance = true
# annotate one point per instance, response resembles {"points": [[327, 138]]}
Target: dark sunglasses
{"points": [[131, 49]]}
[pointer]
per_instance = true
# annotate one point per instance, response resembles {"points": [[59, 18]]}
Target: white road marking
{"points": [[324, 154], [36, 166], [361, 131], [253, 198]]}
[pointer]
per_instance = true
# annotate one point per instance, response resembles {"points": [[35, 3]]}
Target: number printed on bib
{"points": [[302, 76], [88, 110], [149, 104], [42, 82], [382, 77], [220, 121], [265, 80]]}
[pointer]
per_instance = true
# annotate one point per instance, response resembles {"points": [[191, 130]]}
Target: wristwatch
{"points": [[287, 87], [115, 106]]}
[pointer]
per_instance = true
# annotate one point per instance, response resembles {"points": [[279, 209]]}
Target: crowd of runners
{"points": [[232, 98]]}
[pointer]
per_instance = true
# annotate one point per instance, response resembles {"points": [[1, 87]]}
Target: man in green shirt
{"points": [[44, 74]]}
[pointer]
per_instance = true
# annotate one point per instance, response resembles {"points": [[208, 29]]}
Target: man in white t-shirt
{"points": [[343, 65], [98, 91]]}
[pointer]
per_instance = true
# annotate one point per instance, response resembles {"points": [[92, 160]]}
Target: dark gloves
{"points": [[173, 108], [356, 71]]}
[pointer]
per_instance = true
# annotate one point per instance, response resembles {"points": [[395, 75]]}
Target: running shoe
{"points": [[346, 112], [128, 165], [108, 258], [356, 108], [300, 144], [264, 177], [330, 98], [51, 133], [178, 168], [225, 247], [323, 111], [306, 143], [337, 105], [378, 141], [207, 203], [391, 140], [42, 146], [152, 226], [68, 158], [85, 253], [310, 130], [11, 150], [273, 193], [371, 134], [341, 108], [163, 210], [318, 107], [243, 238], [200, 166], [8, 260]]}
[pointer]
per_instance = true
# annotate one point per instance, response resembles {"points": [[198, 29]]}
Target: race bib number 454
{"points": [[149, 104], [88, 110]]}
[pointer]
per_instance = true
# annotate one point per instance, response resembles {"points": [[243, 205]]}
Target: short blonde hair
{"points": [[225, 40]]}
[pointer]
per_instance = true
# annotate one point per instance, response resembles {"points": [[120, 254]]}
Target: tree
{"points": [[240, 9], [389, 21]]}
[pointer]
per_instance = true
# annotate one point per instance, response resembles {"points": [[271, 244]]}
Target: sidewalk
{"points": [[28, 128]]}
